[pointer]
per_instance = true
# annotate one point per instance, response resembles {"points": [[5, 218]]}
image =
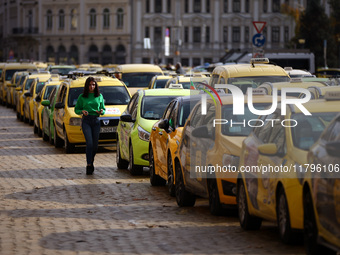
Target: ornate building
{"points": [[134, 31]]}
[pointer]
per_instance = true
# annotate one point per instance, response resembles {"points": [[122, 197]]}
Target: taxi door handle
{"points": [[160, 133]]}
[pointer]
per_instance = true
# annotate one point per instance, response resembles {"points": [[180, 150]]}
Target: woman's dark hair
{"points": [[86, 87]]}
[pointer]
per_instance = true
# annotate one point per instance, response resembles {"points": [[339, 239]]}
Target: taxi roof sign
{"points": [[259, 60], [332, 95], [175, 86]]}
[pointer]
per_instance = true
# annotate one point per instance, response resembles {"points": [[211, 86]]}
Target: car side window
{"points": [[173, 115], [168, 110], [278, 137], [134, 108], [263, 133], [131, 103], [334, 131], [196, 118]]}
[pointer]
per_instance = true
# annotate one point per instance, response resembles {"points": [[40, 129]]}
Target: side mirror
{"points": [[27, 94], [164, 124], [201, 132], [333, 148], [59, 105], [37, 98], [126, 118], [268, 149], [45, 103]]}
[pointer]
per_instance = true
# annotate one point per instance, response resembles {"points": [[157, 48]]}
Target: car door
{"points": [[125, 128], [161, 140], [59, 113]]}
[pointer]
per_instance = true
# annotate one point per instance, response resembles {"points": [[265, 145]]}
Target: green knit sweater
{"points": [[91, 104]]}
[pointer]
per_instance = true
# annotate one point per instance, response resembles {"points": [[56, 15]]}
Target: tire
{"points": [[50, 140], [35, 129], [69, 147], [247, 221], [58, 142], [287, 234], [121, 163], [45, 137], [134, 169], [30, 121], [214, 198], [155, 179], [310, 228], [171, 177], [183, 197]]}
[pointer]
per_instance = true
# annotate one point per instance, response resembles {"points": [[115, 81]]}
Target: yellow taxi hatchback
{"points": [[67, 124], [137, 76], [248, 75], [272, 166]]}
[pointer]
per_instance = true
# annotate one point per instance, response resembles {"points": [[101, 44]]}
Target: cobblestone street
{"points": [[49, 206]]}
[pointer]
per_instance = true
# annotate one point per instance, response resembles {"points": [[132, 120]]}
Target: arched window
{"points": [[50, 54], [120, 18], [106, 18], [74, 55], [74, 19], [93, 54], [30, 20], [106, 55], [61, 19], [93, 18], [49, 21], [276, 5], [120, 54], [62, 55]]}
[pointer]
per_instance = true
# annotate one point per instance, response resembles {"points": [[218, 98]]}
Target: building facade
{"points": [[134, 31]]}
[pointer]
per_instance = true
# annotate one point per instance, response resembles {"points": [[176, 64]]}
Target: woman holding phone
{"points": [[90, 105]]}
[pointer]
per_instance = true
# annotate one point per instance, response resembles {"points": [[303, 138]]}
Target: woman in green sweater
{"points": [[90, 105]]}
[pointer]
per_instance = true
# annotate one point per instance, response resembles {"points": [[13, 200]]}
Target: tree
{"points": [[315, 28]]}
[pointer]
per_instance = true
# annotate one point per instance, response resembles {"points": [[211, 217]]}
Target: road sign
{"points": [[259, 40], [259, 25]]}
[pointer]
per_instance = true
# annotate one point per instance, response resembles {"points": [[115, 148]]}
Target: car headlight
{"points": [[75, 121], [143, 134]]}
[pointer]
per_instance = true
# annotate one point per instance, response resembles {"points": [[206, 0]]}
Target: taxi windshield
{"points": [[254, 81], [48, 91], [153, 107], [237, 125], [309, 128], [185, 110], [28, 84], [113, 95], [39, 87], [139, 79]]}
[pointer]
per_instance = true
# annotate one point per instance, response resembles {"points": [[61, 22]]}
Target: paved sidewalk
{"points": [[49, 206]]}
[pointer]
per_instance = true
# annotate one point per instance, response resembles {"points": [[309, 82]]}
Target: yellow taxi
{"points": [[20, 93], [328, 72], [164, 140], [212, 138], [67, 124], [16, 79], [159, 81], [188, 82], [137, 76], [38, 107], [248, 75], [272, 166], [293, 83], [7, 73], [321, 193], [30, 95], [319, 92]]}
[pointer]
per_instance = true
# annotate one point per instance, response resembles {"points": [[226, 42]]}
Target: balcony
{"points": [[25, 30]]}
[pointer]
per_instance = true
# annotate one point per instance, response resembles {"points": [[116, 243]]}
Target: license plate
{"points": [[108, 129]]}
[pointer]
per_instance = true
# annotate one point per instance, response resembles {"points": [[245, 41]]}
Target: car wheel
{"points": [[50, 140], [310, 229], [155, 179], [134, 169], [287, 235], [45, 136], [247, 221], [171, 177], [214, 198], [18, 116], [69, 147], [35, 129], [30, 121], [121, 163], [58, 142], [183, 197]]}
